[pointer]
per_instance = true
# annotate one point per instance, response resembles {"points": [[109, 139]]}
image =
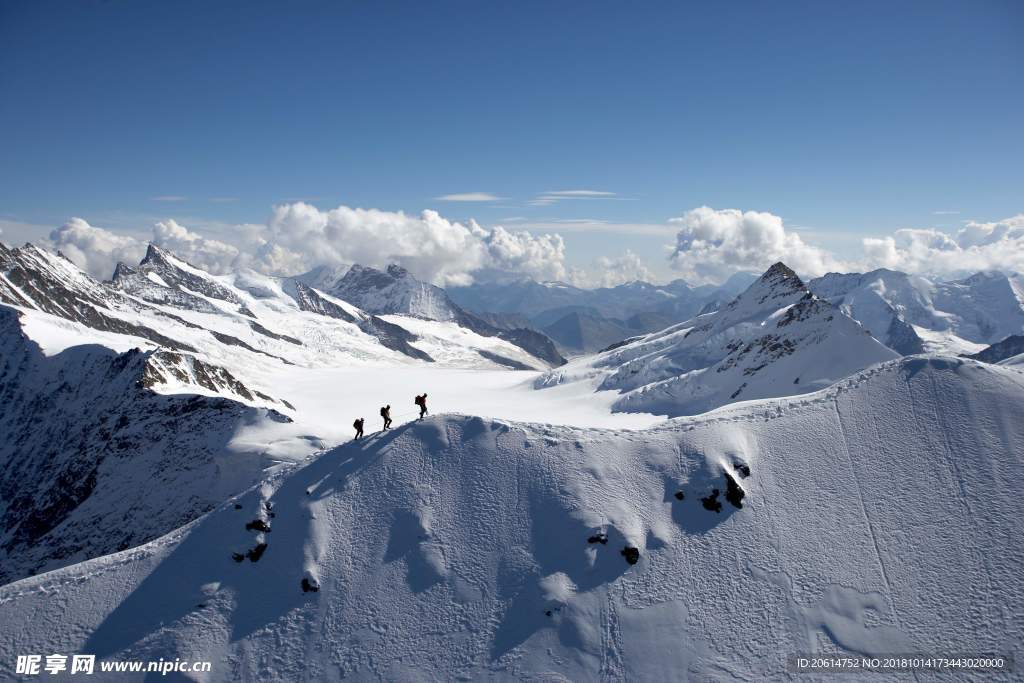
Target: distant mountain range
{"points": [[587, 320], [775, 339], [124, 398], [910, 314]]}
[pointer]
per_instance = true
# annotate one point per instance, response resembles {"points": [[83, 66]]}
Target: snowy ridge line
{"points": [[741, 411], [150, 548], [107, 563]]}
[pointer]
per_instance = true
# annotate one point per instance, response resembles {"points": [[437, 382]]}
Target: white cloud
{"points": [[712, 244], [541, 257], [550, 197], [469, 197], [211, 255], [95, 250], [300, 236], [577, 193], [610, 271], [592, 225], [998, 245]]}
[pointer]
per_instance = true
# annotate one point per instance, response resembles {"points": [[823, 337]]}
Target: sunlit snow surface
{"points": [[881, 516], [327, 401]]}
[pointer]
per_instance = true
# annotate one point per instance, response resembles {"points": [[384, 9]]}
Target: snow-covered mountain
{"points": [[396, 292], [879, 516], [912, 314], [129, 407], [1002, 350], [94, 460], [774, 339], [237, 320], [530, 298]]}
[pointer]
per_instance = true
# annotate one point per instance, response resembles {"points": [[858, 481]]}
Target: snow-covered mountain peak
{"points": [[464, 548], [396, 271], [911, 313], [774, 339], [323, 277], [162, 269], [394, 291]]}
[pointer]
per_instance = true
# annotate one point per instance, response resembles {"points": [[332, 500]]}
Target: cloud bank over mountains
{"points": [[710, 245]]}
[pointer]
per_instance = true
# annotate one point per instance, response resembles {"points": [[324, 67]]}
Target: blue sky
{"points": [[846, 120]]}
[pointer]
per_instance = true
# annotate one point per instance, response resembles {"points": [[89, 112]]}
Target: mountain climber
{"points": [[421, 401], [358, 424], [385, 412]]}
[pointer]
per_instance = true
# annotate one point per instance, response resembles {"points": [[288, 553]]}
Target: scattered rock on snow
{"points": [[310, 586], [257, 525], [631, 554], [256, 553], [599, 537], [679, 495], [237, 557], [733, 493], [711, 502]]}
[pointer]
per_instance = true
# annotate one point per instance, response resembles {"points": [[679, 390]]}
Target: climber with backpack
{"points": [[421, 401], [385, 413], [358, 424]]}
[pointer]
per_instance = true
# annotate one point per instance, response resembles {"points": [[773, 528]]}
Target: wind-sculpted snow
{"points": [[775, 339], [93, 461], [878, 516]]}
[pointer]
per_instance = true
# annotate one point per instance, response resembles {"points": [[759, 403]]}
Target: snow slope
{"points": [[396, 292], [879, 516], [246, 322], [774, 339], [93, 460], [130, 408]]}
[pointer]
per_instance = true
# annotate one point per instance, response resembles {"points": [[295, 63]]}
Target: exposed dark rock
{"points": [[711, 502], [256, 553], [902, 338], [310, 586], [257, 525], [743, 469], [631, 554], [733, 492], [679, 495], [1009, 347], [259, 329], [599, 538], [238, 506], [619, 344], [237, 557], [502, 360], [535, 343]]}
